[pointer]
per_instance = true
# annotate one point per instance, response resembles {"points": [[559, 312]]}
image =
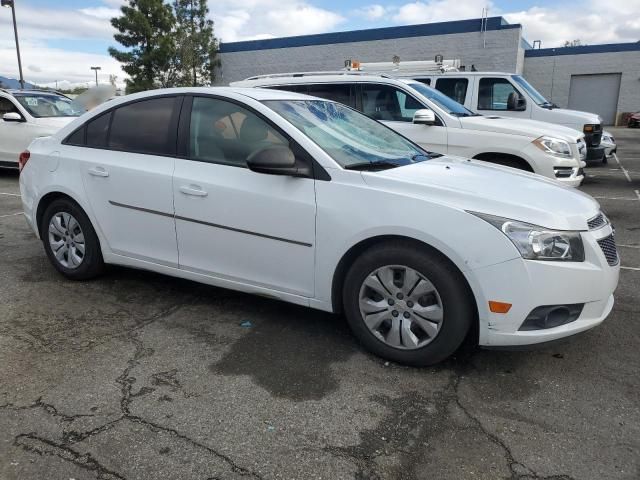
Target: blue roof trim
{"points": [[424, 30], [604, 48]]}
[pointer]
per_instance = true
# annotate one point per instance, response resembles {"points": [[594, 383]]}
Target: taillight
{"points": [[23, 159]]}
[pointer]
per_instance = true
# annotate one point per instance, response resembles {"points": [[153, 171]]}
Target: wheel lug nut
{"points": [[400, 296], [409, 304], [391, 301], [394, 313], [406, 314]]}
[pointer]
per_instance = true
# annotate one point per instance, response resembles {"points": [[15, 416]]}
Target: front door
{"points": [[234, 223]]}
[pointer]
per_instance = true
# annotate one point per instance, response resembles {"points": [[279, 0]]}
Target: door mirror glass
{"points": [[12, 117], [277, 160], [516, 103], [424, 116]]}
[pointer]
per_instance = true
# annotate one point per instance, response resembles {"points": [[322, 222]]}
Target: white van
{"points": [[510, 95], [441, 125]]}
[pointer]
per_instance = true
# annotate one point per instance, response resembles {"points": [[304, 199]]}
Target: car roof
{"points": [[318, 77], [14, 91]]}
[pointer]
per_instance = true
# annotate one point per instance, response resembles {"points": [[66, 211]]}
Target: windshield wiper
{"points": [[380, 165]]}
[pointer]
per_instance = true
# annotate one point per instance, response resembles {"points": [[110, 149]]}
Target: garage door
{"points": [[596, 94]]}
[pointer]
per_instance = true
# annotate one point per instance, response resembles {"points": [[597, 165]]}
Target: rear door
{"points": [[127, 158], [231, 222], [395, 108]]}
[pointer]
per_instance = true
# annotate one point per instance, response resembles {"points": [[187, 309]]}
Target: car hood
{"points": [[516, 126], [54, 123], [568, 117], [482, 187]]}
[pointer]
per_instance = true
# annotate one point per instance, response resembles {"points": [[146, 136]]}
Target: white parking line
{"points": [[624, 170], [629, 246], [10, 194], [637, 194], [12, 214], [618, 198], [635, 269]]}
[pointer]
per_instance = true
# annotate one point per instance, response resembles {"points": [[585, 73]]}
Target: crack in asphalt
{"points": [[32, 443]]}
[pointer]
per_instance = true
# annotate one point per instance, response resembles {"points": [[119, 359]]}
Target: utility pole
{"points": [[96, 70], [10, 4]]}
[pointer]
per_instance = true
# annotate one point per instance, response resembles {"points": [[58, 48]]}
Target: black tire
{"points": [[92, 263], [457, 301]]}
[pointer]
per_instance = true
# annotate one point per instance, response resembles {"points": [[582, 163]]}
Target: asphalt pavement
{"points": [[140, 376]]}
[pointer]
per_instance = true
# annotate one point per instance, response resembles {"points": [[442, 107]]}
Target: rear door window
{"points": [[144, 127], [455, 88], [97, 131]]}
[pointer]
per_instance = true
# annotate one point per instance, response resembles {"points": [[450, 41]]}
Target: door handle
{"points": [[193, 190], [98, 172]]}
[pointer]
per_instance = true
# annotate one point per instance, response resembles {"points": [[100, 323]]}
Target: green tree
{"points": [[197, 46], [145, 29]]}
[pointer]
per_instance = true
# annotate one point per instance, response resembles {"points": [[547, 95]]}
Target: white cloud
{"points": [[440, 10], [372, 12], [256, 19], [592, 23]]}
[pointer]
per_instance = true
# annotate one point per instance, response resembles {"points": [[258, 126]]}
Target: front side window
{"points": [[455, 88], [493, 93], [43, 105], [385, 102], [447, 104], [7, 106], [224, 132], [144, 127], [350, 138]]}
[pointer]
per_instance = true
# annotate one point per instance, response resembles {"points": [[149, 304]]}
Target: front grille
{"points": [[608, 246], [596, 222]]}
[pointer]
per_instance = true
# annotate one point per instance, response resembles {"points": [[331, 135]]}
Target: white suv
{"points": [[308, 201], [28, 114], [550, 150]]}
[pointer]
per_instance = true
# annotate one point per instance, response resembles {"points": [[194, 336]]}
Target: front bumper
{"points": [[570, 176], [530, 284], [595, 154]]}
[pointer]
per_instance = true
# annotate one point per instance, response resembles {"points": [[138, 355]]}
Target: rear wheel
{"points": [[407, 305], [70, 241]]}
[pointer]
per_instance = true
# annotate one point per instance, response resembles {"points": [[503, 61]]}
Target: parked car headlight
{"points": [[539, 243], [553, 146]]}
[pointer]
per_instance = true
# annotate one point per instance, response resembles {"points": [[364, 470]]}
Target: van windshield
{"points": [[447, 104], [352, 139], [533, 93]]}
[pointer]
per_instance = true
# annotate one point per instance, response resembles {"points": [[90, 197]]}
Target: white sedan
{"points": [[311, 202]]}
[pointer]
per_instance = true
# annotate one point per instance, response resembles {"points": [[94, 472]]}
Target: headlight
{"points": [[553, 146], [538, 243]]}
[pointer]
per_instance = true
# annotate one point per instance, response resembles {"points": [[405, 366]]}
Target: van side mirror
{"points": [[12, 117], [424, 116], [277, 160], [516, 103]]}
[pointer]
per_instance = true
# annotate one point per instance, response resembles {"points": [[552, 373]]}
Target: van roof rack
{"points": [[311, 74]]}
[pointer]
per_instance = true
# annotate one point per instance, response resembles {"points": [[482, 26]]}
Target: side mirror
{"points": [[424, 116], [12, 117], [516, 103], [277, 160]]}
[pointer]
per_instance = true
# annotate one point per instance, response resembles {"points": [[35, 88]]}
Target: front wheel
{"points": [[407, 304], [70, 241]]}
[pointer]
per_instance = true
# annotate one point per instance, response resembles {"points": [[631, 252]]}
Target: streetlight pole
{"points": [[11, 4], [96, 70]]}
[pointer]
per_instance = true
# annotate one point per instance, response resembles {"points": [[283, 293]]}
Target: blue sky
{"points": [[61, 39]]}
